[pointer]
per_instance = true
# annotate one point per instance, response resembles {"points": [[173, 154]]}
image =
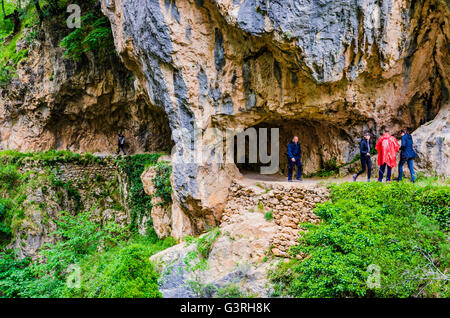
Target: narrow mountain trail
{"points": [[253, 179]]}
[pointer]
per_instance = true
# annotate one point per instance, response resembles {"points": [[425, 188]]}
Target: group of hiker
{"points": [[387, 147]]}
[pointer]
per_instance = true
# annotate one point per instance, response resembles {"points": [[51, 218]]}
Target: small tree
{"points": [[13, 17]]}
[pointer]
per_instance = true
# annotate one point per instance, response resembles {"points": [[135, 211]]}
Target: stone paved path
{"points": [[253, 178]]}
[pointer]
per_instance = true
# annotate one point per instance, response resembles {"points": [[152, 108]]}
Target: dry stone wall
{"points": [[288, 205], [71, 187]]}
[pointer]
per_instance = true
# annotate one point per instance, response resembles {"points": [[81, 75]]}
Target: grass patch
{"points": [[268, 216]]}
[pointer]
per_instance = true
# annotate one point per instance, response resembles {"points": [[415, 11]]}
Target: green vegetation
{"points": [[11, 33], [260, 206], [133, 166], [95, 35], [202, 290], [9, 57], [268, 216], [230, 291], [121, 269], [400, 229], [24, 22], [15, 185], [162, 182], [90, 257], [49, 157], [197, 258], [331, 168]]}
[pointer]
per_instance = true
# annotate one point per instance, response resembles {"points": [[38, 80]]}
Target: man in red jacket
{"points": [[387, 147]]}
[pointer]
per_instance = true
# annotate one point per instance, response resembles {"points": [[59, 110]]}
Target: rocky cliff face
{"points": [[56, 103], [324, 70]]}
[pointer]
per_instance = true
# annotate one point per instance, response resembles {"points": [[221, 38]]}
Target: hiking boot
{"points": [[368, 180], [289, 180], [354, 177], [299, 179]]}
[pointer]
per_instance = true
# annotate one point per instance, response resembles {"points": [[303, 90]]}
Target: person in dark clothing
{"points": [[294, 155], [121, 143], [407, 155], [364, 152]]}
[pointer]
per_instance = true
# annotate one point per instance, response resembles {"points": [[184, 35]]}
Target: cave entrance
{"points": [[146, 129], [322, 145]]}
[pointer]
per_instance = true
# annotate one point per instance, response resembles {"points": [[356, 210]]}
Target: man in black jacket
{"points": [[407, 155], [294, 154], [364, 152], [121, 143]]}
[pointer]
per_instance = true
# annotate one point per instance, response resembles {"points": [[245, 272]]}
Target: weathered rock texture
{"points": [[237, 257], [325, 70], [432, 143], [56, 103]]}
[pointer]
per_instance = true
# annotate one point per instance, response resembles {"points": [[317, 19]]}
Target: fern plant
{"points": [[95, 35]]}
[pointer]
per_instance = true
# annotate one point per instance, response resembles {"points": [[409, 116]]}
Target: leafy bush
{"points": [[121, 269], [268, 216], [331, 168], [5, 220], [435, 203], [162, 182], [230, 291], [9, 55], [9, 177], [94, 35], [6, 26], [31, 36], [6, 73], [370, 225], [15, 275], [130, 275], [81, 239]]}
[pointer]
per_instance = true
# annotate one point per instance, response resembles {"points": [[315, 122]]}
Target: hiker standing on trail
{"points": [[364, 153], [121, 143], [407, 155], [387, 147], [294, 155]]}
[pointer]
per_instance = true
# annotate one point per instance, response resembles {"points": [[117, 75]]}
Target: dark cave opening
{"points": [[322, 145], [146, 129]]}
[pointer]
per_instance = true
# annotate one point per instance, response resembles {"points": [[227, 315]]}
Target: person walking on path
{"points": [[407, 155], [294, 154], [387, 147], [121, 144], [364, 153]]}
